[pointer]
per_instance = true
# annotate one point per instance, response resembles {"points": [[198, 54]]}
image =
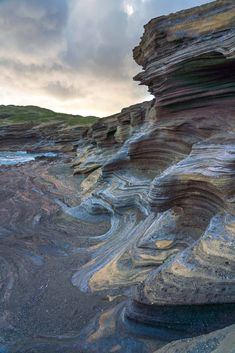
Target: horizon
{"points": [[59, 56]]}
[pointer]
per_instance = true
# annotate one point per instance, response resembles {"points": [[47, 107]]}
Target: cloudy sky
{"points": [[75, 56]]}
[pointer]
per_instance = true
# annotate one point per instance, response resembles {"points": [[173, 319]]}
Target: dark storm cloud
{"points": [[74, 54]]}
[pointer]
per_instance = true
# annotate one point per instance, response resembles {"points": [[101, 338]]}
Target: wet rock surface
{"points": [[218, 341], [40, 248]]}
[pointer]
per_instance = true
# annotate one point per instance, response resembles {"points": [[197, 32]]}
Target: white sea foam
{"points": [[11, 158]]}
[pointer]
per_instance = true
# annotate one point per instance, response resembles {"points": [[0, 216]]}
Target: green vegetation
{"points": [[12, 114]]}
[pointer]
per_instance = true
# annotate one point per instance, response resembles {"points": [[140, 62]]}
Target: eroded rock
{"points": [[162, 173]]}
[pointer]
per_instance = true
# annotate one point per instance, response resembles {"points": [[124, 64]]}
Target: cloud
{"points": [[63, 91], [74, 55], [32, 30]]}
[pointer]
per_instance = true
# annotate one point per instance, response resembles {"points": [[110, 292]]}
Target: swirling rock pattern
{"points": [[175, 177], [156, 201]]}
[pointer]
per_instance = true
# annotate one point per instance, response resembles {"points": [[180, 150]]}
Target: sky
{"points": [[75, 56]]}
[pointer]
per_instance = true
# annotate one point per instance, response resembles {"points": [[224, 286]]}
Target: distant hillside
{"points": [[12, 114]]}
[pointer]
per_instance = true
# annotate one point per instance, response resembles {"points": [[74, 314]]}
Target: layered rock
{"points": [[162, 173], [66, 134], [170, 186], [43, 137], [188, 61], [104, 138], [188, 57], [39, 129], [118, 127]]}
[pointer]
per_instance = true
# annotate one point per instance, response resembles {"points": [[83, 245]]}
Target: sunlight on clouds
{"points": [[128, 8], [75, 56]]}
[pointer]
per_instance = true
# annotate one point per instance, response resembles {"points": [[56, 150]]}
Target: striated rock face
{"points": [[61, 132], [168, 183], [39, 129], [118, 127], [161, 174], [188, 57], [43, 137], [203, 273], [105, 137], [188, 62]]}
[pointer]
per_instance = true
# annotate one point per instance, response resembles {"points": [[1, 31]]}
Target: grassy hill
{"points": [[12, 114]]}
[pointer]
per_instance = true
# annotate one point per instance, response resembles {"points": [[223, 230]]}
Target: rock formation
{"points": [[218, 341], [38, 129], [188, 62], [170, 187], [162, 175]]}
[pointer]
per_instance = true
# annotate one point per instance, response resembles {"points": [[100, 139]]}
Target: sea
{"points": [[12, 158]]}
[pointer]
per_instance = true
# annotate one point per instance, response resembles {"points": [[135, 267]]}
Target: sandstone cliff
{"points": [[162, 173], [170, 187]]}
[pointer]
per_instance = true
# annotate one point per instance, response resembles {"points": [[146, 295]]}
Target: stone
{"points": [[161, 173]]}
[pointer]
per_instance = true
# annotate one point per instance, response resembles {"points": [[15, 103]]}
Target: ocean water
{"points": [[11, 158]]}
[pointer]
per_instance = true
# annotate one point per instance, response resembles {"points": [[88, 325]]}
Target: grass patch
{"points": [[12, 114]]}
